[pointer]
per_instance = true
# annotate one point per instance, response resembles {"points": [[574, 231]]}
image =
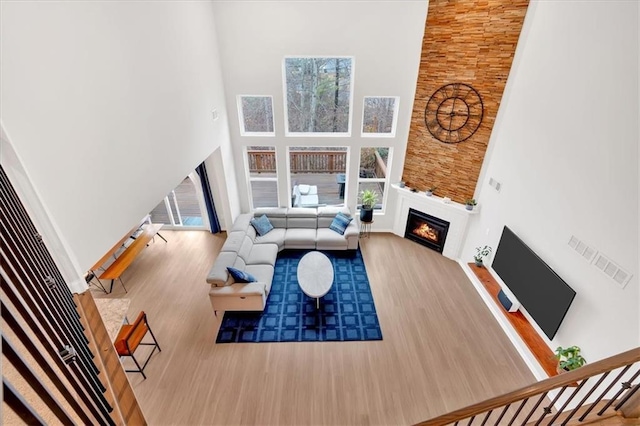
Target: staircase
{"points": [[602, 393]]}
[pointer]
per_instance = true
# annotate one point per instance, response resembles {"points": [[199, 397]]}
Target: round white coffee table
{"points": [[315, 275]]}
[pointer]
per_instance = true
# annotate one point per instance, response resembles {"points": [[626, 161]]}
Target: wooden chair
{"points": [[130, 337]]}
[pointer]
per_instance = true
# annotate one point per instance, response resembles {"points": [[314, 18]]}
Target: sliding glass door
{"points": [[183, 207]]}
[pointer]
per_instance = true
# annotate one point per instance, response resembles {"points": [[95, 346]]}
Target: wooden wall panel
{"points": [[465, 41]]}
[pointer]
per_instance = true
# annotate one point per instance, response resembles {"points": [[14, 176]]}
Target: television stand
{"points": [[540, 350]]}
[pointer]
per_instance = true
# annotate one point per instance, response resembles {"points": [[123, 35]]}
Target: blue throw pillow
{"points": [[241, 276], [340, 223], [262, 225]]}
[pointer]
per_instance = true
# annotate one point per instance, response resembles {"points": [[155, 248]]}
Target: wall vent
{"points": [[600, 261], [588, 253], [610, 269]]}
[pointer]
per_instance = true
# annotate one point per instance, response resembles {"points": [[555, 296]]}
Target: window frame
{"points": [[290, 185], [394, 122], [384, 180], [288, 133], [251, 179], [241, 123]]}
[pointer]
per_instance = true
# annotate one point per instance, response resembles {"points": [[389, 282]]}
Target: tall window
{"points": [[256, 115], [379, 116], [373, 172], [318, 95], [263, 176], [318, 175]]}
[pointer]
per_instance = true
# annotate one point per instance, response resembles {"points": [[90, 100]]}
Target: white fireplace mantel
{"points": [[454, 213]]}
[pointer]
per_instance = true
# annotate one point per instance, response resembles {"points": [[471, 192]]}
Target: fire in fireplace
{"points": [[427, 230]]}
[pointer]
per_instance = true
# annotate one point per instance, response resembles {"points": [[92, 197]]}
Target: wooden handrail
{"points": [[566, 379]]}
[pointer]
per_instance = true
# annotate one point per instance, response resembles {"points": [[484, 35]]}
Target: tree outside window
{"points": [[318, 95], [379, 116], [256, 115]]}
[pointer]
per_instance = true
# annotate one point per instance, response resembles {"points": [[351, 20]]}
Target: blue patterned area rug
{"points": [[346, 313]]}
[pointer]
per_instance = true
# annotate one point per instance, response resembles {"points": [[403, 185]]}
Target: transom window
{"points": [[379, 116], [256, 115], [318, 96]]}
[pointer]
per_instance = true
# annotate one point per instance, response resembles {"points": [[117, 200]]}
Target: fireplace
{"points": [[427, 230]]}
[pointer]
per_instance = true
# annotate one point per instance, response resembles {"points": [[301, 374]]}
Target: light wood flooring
{"points": [[441, 349]]}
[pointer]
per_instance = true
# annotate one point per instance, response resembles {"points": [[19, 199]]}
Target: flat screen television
{"points": [[544, 295]]}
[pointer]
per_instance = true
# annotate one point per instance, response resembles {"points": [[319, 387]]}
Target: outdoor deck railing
{"points": [[301, 161]]}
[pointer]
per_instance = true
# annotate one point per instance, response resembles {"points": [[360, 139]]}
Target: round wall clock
{"points": [[454, 113]]}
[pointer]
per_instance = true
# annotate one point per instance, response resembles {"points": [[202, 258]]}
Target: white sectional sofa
{"points": [[294, 228]]}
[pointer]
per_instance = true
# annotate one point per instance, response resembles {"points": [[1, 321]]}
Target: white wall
{"points": [[108, 105], [385, 39], [565, 148]]}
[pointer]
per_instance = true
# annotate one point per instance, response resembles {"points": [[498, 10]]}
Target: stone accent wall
{"points": [[465, 41]]}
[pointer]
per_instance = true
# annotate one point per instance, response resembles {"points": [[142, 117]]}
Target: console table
{"points": [[122, 262], [540, 350]]}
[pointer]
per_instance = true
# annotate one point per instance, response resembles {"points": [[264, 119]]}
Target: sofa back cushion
{"points": [[245, 249], [300, 217], [251, 233], [328, 213], [242, 222], [277, 216], [234, 241], [239, 263]]}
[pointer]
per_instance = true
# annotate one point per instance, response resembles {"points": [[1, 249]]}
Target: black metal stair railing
{"points": [[41, 327]]}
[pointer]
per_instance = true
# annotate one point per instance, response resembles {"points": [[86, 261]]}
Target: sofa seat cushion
{"points": [[263, 273], [239, 290], [276, 236], [218, 275], [300, 238], [328, 239], [263, 254], [234, 241]]}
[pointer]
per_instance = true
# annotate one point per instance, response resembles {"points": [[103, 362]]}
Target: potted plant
{"points": [[430, 190], [481, 253], [469, 203], [369, 198], [569, 358]]}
